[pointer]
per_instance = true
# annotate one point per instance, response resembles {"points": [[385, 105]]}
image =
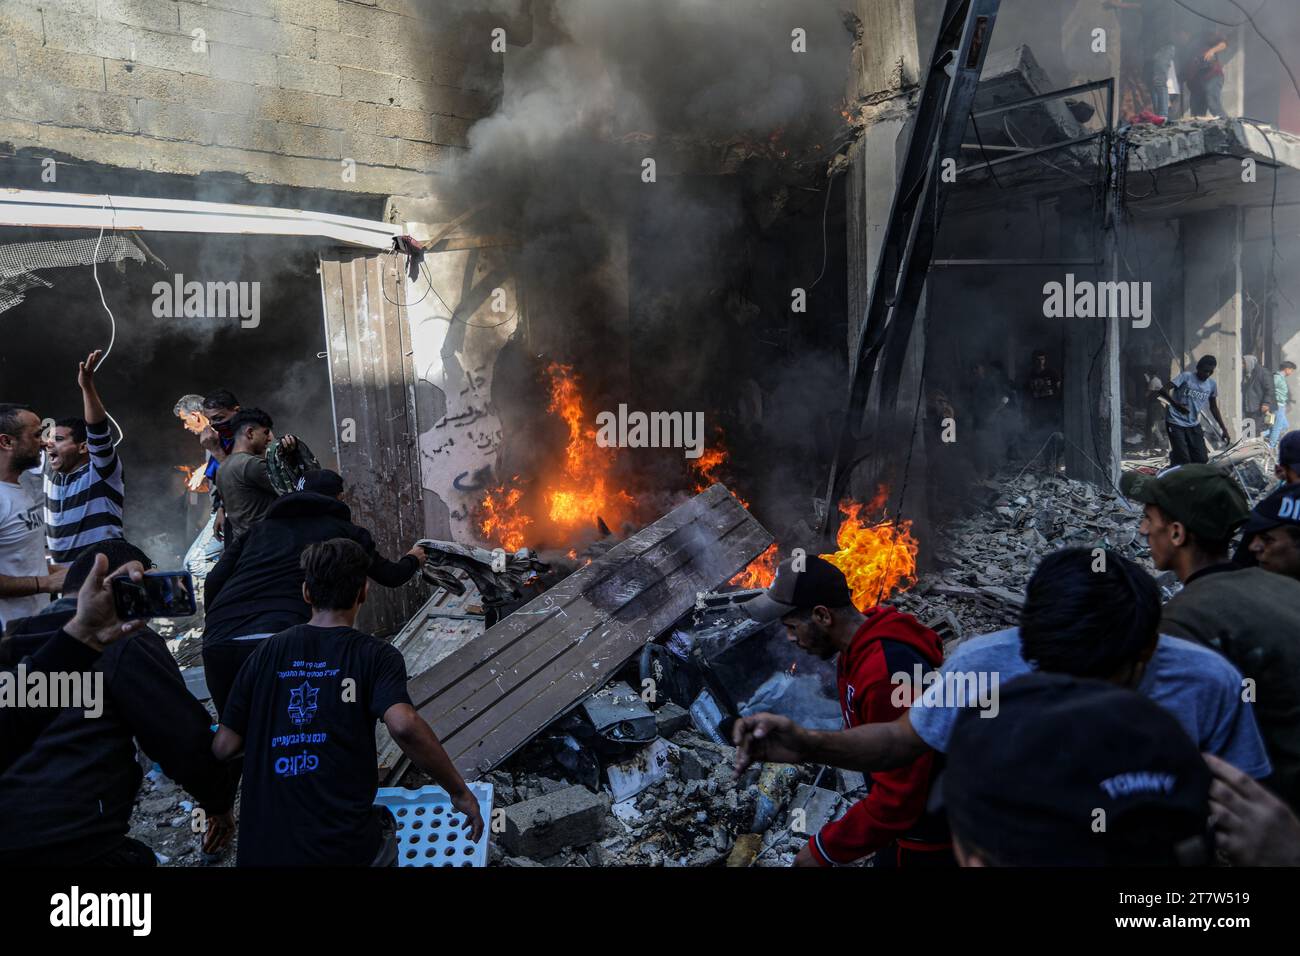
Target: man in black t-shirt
{"points": [[303, 710]]}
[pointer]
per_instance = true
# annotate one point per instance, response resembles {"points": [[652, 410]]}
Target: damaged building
{"points": [[435, 241]]}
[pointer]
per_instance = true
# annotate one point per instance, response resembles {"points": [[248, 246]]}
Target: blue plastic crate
{"points": [[429, 830]]}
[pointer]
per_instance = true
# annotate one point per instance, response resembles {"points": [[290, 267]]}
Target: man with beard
{"points": [[876, 652], [25, 576]]}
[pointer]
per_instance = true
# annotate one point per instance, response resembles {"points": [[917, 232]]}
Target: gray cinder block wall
{"points": [[283, 91]]}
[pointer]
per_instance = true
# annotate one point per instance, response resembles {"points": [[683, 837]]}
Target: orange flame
{"points": [[709, 470], [581, 496], [759, 572], [194, 421], [194, 478], [500, 519], [582, 491], [877, 558]]}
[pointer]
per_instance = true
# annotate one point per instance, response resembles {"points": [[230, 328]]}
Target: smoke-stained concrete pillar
{"points": [[1212, 293], [1090, 363], [883, 87]]}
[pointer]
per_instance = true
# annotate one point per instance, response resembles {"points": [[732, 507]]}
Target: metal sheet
{"points": [[488, 699], [372, 384]]}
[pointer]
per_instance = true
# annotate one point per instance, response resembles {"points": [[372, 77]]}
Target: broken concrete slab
{"points": [[812, 808], [541, 827], [670, 719]]}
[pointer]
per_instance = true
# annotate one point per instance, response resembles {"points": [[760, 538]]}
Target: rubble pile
{"points": [[698, 813], [983, 560]]}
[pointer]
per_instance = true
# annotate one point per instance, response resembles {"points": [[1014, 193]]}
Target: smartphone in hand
{"points": [[159, 594]]}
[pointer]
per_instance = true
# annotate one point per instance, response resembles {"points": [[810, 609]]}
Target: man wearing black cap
{"points": [[1188, 395], [256, 588], [872, 651], [1076, 773], [1249, 615], [1273, 530]]}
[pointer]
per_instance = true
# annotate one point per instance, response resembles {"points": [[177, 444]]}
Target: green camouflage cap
{"points": [[1206, 501]]}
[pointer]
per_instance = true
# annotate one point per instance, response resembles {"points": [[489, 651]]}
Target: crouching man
{"points": [[880, 654], [303, 711]]}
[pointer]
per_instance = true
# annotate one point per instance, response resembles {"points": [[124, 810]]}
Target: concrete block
{"points": [[670, 718], [80, 71], [317, 14], [427, 156], [450, 130], [847, 781], [371, 150], [161, 15], [388, 121], [540, 827], [368, 86], [257, 8], [21, 21], [289, 139], [309, 109], [252, 32], [8, 59], [692, 767], [818, 806], [173, 121], [363, 53], [219, 96], [308, 76], [43, 103], [244, 65], [170, 51], [147, 82], [19, 133]]}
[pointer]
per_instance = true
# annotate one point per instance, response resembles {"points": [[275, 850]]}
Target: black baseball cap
{"points": [[819, 583], [1204, 499], [1288, 449], [322, 481], [1076, 772], [1281, 507]]}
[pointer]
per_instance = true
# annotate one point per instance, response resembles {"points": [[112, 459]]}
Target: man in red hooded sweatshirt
{"points": [[881, 657]]}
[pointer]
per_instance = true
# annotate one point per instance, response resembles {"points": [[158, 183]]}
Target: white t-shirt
{"points": [[22, 547]]}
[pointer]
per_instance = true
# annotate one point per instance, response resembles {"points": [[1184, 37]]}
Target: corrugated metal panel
{"points": [[493, 695], [372, 383]]}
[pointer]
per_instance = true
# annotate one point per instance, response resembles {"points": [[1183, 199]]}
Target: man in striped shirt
{"points": [[83, 485]]}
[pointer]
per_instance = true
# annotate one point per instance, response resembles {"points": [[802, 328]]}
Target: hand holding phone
{"points": [[155, 594]]}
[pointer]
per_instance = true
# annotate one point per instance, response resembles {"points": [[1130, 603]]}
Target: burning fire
{"points": [[579, 495], [500, 520], [759, 572], [877, 558], [709, 469], [195, 479], [582, 495]]}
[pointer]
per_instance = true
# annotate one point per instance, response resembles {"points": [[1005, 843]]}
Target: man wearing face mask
{"points": [[878, 657]]}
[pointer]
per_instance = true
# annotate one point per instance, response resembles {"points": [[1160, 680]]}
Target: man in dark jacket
{"points": [[67, 800], [879, 653], [73, 650], [256, 588]]}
